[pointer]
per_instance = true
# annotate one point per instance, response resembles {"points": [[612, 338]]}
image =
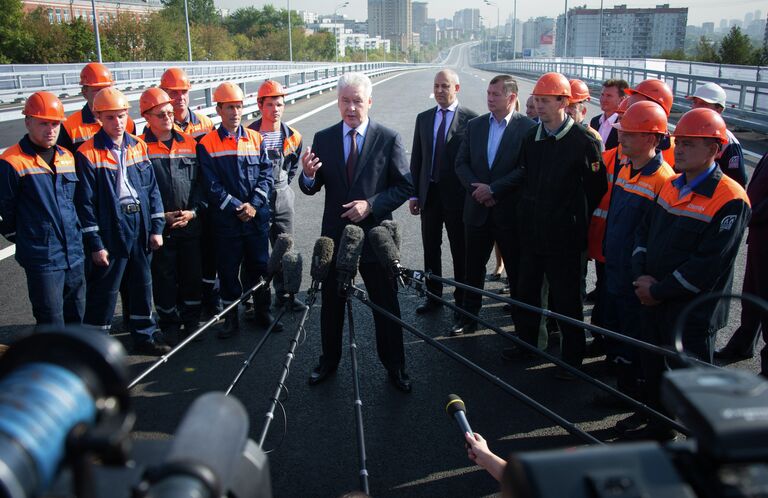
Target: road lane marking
{"points": [[7, 252]]}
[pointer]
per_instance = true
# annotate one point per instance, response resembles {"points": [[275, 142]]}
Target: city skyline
{"points": [[698, 11]]}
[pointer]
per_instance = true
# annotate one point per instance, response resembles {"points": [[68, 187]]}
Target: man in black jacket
{"points": [[439, 197]]}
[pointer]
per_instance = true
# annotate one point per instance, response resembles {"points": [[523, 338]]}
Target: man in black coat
{"points": [[439, 196], [486, 167], [364, 171]]}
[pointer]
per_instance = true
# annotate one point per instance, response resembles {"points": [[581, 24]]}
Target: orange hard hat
{"points": [[643, 117], [701, 122], [110, 99], [44, 105], [623, 106], [228, 92], [175, 79], [554, 84], [656, 90], [96, 74], [153, 97], [579, 91], [271, 88]]}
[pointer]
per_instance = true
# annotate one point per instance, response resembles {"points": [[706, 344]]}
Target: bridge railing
{"points": [[747, 93]]}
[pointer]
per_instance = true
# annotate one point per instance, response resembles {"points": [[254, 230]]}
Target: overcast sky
{"points": [[698, 11]]}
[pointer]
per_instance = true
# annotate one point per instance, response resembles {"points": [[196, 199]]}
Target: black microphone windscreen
{"points": [[292, 268], [322, 256], [454, 404], [282, 245], [213, 434], [383, 246], [350, 249], [395, 231]]}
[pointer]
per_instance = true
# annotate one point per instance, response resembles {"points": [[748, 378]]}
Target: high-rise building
{"points": [[467, 20], [708, 28], [391, 19], [538, 37], [626, 33], [429, 32], [376, 17], [419, 15]]}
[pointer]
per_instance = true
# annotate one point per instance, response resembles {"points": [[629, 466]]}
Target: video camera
{"points": [[727, 411], [65, 422]]}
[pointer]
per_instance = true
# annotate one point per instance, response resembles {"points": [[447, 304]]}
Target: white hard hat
{"points": [[710, 93]]}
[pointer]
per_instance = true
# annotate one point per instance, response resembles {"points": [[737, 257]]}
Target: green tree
{"points": [[166, 39], [736, 48], [212, 43], [47, 43], [81, 44], [674, 55], [706, 51], [200, 11], [12, 35], [122, 38]]}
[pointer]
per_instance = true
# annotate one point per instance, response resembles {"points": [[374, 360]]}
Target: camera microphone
{"points": [[348, 258], [322, 256]]}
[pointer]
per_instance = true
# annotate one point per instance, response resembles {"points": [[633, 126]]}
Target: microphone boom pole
{"points": [[358, 404]]}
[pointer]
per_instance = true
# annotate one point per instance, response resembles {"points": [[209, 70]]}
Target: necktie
{"points": [[437, 162], [352, 157]]}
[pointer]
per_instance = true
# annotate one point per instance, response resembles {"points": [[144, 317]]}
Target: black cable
{"points": [[285, 428]]}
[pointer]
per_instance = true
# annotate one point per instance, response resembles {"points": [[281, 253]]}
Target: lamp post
{"points": [[338, 38], [189, 38], [290, 35], [96, 29], [565, 38], [514, 30], [494, 4]]}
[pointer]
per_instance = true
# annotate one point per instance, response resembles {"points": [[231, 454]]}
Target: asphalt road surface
{"points": [[414, 449]]}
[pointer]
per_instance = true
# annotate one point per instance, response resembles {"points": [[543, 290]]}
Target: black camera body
{"points": [[726, 410]]}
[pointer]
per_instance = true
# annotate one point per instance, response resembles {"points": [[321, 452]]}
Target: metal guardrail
{"points": [[747, 99]]}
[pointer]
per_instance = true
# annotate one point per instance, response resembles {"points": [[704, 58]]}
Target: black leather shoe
{"points": [[400, 380], [463, 327], [151, 346], [231, 326], [320, 373], [494, 277], [427, 307], [727, 353], [504, 290], [295, 303]]}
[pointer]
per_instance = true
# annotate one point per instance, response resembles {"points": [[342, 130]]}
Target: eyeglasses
{"points": [[161, 115]]}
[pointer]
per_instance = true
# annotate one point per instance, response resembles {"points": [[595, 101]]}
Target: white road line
{"points": [[7, 252], [332, 103]]}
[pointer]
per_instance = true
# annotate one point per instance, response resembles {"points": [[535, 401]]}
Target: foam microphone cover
{"points": [[292, 268], [322, 255], [213, 434], [283, 244], [395, 231], [454, 404], [350, 249], [383, 245]]}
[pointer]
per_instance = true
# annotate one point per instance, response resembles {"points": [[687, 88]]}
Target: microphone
{"points": [[283, 244], [457, 410], [322, 256], [292, 268], [205, 453], [386, 250], [395, 231], [348, 257]]}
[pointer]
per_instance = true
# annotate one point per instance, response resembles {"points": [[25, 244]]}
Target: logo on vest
{"points": [[727, 223]]}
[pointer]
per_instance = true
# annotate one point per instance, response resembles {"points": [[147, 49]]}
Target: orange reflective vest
{"points": [[612, 158], [81, 126]]}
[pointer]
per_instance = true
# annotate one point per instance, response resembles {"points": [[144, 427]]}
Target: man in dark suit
{"points": [[439, 196], [486, 167], [363, 167], [610, 98]]}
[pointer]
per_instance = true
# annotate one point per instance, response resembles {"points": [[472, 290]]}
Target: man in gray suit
{"points": [[363, 167], [439, 196], [486, 167]]}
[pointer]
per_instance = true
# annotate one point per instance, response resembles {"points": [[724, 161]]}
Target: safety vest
{"points": [[198, 125], [612, 158], [81, 126]]}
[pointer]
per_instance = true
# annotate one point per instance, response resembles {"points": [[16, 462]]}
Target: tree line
{"points": [[735, 48]]}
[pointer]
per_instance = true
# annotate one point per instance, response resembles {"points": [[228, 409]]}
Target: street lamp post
{"points": [[189, 39], [96, 29], [492, 4], [565, 38], [290, 34], [338, 38], [514, 30]]}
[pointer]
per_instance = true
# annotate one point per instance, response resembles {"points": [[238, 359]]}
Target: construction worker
{"points": [[610, 97], [577, 109], [638, 181], [37, 213], [563, 180], [238, 179], [176, 84], [176, 266], [282, 145], [82, 125], [122, 216], [731, 158], [656, 91], [685, 247], [530, 109]]}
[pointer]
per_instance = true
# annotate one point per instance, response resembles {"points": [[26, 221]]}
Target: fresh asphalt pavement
{"points": [[413, 447]]}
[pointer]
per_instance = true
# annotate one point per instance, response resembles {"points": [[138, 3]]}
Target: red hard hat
{"points": [[623, 106], [643, 117], [655, 90], [153, 97], [579, 91], [175, 79], [44, 105], [228, 92], [110, 99], [271, 88], [96, 74], [703, 123], [554, 84]]}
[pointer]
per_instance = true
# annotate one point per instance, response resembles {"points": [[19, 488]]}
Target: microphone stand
{"points": [[362, 296], [164, 359], [308, 303]]}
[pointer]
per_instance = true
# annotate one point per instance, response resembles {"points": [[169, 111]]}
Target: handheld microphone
{"points": [[283, 244], [348, 258], [205, 453], [322, 256], [457, 410], [395, 231], [292, 268]]}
